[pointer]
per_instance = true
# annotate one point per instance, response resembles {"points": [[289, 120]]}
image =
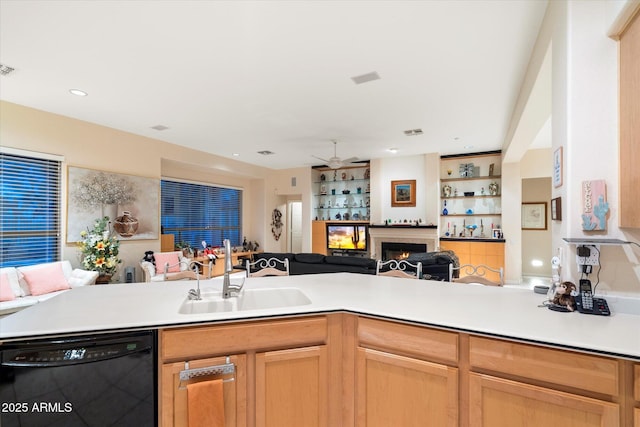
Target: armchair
{"points": [[170, 266]]}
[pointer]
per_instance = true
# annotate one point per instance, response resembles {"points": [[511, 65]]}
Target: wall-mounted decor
{"points": [[131, 203], [276, 224], [534, 216], [403, 193], [595, 207], [556, 209], [557, 167]]}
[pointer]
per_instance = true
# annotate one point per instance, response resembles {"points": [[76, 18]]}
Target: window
{"points": [[29, 210], [197, 212]]}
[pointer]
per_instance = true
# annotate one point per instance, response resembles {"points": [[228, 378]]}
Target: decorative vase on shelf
{"points": [[445, 211], [126, 225]]}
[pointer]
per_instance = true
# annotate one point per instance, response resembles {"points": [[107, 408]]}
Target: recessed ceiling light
{"points": [[160, 127], [468, 147], [78, 92], [235, 154], [456, 138], [266, 152], [392, 150], [413, 132]]}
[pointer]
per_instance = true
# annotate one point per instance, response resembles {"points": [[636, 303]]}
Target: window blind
{"points": [[197, 212], [29, 210]]}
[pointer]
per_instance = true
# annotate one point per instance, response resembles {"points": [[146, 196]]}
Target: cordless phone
{"points": [[586, 303]]}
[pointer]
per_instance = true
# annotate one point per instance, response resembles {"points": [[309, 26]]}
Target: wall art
{"points": [[595, 208], [403, 193], [131, 203], [534, 216]]}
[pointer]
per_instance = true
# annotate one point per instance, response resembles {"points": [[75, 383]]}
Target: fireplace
{"points": [[426, 235], [400, 250]]}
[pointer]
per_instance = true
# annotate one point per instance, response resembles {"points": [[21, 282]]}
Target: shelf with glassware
{"points": [[342, 194], [471, 203]]}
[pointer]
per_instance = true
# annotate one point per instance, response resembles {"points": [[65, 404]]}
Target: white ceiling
{"points": [[243, 76]]}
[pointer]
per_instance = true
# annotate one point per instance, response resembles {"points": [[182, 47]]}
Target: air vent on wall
{"points": [[266, 152], [5, 70], [413, 132], [364, 78]]}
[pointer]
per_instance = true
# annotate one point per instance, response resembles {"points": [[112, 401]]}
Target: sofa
{"points": [[310, 263], [435, 265], [21, 287]]}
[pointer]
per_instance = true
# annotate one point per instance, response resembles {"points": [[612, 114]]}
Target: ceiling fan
{"points": [[335, 162]]}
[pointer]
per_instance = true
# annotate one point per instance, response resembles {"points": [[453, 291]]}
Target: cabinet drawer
{"points": [[582, 371], [411, 340], [205, 341]]}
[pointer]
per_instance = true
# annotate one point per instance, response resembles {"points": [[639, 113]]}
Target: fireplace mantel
{"points": [[402, 234]]}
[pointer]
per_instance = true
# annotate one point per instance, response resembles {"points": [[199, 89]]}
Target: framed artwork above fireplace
{"points": [[403, 193]]}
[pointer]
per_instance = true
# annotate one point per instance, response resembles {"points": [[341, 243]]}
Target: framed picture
{"points": [[131, 203], [496, 233], [557, 168], [556, 209], [403, 193], [534, 216]]}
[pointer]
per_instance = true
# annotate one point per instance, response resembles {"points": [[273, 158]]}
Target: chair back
{"points": [[482, 274], [399, 268], [267, 267]]}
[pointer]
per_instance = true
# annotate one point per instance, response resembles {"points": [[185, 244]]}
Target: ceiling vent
{"points": [[160, 127], [5, 70], [266, 152], [366, 78], [413, 132]]}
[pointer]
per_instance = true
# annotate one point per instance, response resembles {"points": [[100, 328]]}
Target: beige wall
{"points": [[92, 146], [536, 244]]}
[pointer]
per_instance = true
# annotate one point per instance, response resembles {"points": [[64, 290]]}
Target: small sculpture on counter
{"points": [[565, 295]]}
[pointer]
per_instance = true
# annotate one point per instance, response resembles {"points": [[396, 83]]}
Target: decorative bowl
{"points": [[469, 193]]}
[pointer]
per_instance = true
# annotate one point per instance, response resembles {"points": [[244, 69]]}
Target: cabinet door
{"points": [[173, 393], [291, 387], [495, 402], [394, 390]]}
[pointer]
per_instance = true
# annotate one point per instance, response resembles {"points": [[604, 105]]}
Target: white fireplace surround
{"points": [[401, 234]]}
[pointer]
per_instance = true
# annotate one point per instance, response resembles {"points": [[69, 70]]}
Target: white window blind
{"points": [[29, 210], [197, 212]]}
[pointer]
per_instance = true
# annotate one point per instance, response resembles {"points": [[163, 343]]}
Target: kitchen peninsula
{"points": [[473, 348]]}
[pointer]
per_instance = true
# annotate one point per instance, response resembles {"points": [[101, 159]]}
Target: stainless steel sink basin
{"points": [[249, 299]]}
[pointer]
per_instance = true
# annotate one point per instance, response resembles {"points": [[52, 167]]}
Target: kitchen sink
{"points": [[249, 299]]}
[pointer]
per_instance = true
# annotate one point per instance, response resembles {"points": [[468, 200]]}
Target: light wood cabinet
{"points": [[291, 387], [346, 370], [173, 392], [403, 391], [282, 370], [498, 402], [477, 252], [403, 377], [319, 237]]}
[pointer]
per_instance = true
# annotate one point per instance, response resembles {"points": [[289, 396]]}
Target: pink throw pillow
{"points": [[6, 293], [46, 279], [163, 258]]}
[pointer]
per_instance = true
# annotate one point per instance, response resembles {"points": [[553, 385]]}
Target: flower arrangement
{"points": [[99, 250]]}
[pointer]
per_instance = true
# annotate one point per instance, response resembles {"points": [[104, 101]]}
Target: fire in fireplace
{"points": [[396, 250]]}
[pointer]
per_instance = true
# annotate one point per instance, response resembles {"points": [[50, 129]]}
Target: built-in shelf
{"points": [[471, 178], [473, 214], [589, 241]]}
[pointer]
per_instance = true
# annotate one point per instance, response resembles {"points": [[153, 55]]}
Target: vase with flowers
{"points": [[100, 250]]}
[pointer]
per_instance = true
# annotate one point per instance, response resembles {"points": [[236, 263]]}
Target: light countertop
{"points": [[501, 312]]}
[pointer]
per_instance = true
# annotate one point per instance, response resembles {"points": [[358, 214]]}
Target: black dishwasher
{"points": [[98, 380]]}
